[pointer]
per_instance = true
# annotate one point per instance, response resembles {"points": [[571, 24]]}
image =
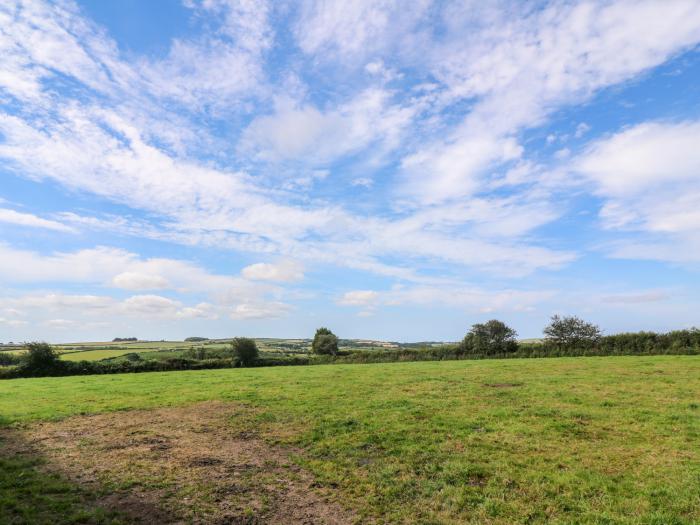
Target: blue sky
{"points": [[223, 167]]}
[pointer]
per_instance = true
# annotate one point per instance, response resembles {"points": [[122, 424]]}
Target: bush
{"points": [[245, 350], [571, 332], [9, 359], [325, 342], [196, 339], [491, 338], [40, 358]]}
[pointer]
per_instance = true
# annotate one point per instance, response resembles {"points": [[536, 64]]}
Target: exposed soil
{"points": [[503, 385], [183, 465]]}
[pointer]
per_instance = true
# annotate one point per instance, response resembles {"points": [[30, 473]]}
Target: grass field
{"points": [[97, 355], [570, 440]]}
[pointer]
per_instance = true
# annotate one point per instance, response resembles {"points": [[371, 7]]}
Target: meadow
{"points": [[559, 440]]}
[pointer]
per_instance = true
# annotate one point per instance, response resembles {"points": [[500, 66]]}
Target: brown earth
{"points": [[182, 465]]}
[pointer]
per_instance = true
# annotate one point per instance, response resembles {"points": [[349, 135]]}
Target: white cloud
{"points": [[139, 281], [62, 324], [269, 310], [581, 130], [359, 298], [201, 310], [352, 30], [649, 179], [27, 219], [118, 268], [647, 157], [79, 310], [54, 302], [521, 67], [151, 305], [285, 271], [316, 137], [88, 265], [447, 171]]}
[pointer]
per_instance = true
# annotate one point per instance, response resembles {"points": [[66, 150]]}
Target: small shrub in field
{"points": [[325, 342], [40, 357], [490, 338], [245, 350]]}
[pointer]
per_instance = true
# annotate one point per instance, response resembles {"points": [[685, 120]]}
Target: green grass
{"points": [[569, 440], [30, 495], [97, 355]]}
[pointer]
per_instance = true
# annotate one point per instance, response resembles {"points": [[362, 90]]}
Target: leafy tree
{"points": [[40, 357], [489, 338], [245, 350], [325, 342], [571, 331]]}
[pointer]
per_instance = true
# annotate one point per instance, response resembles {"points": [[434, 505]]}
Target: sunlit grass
{"points": [[570, 440]]}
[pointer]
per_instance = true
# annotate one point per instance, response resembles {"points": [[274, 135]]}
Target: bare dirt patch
{"points": [[184, 465], [503, 385]]}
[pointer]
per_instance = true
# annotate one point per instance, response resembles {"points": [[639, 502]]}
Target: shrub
{"points": [[8, 359], [40, 358], [571, 332], [245, 350], [198, 353], [490, 338], [325, 342]]}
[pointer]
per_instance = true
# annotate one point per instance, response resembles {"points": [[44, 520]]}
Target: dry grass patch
{"points": [[190, 464]]}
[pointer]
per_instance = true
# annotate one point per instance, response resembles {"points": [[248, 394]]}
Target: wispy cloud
{"points": [[27, 219], [363, 137]]}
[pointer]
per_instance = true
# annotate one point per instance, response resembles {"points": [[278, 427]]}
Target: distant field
{"points": [[561, 440], [96, 351], [96, 355]]}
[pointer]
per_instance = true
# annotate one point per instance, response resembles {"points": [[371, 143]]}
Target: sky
{"points": [[232, 167]]}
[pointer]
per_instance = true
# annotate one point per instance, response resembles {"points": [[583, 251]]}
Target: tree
{"points": [[245, 350], [489, 338], [40, 357], [571, 331], [325, 342]]}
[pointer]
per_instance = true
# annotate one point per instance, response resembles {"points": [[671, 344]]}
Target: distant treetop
{"points": [[124, 339]]}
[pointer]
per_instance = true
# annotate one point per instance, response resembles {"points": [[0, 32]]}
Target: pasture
{"points": [[561, 440]]}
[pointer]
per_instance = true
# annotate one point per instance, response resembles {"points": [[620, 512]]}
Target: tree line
{"points": [[571, 335], [564, 336]]}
